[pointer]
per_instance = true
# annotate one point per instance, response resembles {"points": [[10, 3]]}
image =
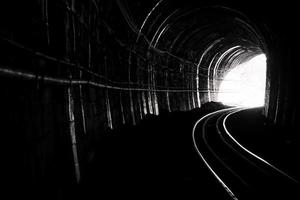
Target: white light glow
{"points": [[245, 84]]}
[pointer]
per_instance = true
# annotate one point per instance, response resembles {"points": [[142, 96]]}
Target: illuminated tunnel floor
{"points": [[158, 158]]}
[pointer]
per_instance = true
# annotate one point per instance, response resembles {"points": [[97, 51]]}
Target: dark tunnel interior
{"points": [[99, 97]]}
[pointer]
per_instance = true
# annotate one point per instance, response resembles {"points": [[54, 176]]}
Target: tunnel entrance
{"points": [[244, 85]]}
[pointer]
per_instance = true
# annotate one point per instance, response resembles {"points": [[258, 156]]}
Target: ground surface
{"points": [[157, 157]]}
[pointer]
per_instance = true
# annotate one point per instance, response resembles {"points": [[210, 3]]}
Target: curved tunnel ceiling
{"points": [[206, 40]]}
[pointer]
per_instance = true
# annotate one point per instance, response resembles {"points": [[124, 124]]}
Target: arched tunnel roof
{"points": [[152, 52], [208, 39]]}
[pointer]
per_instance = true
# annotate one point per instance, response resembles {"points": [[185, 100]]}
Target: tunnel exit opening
{"points": [[245, 84]]}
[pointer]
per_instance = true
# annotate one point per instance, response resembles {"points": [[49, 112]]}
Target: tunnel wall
{"points": [[282, 99], [67, 78]]}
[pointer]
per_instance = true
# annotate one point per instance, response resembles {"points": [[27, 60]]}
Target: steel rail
{"points": [[223, 184], [251, 153]]}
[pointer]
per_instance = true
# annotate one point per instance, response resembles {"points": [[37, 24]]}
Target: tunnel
{"points": [[98, 92]]}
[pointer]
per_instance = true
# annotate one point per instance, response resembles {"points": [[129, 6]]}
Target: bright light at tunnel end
{"points": [[244, 85]]}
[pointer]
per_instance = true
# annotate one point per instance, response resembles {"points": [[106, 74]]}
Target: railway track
{"points": [[242, 173]]}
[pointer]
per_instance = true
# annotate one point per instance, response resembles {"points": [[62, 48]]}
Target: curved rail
{"points": [[227, 189], [251, 153], [247, 173]]}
